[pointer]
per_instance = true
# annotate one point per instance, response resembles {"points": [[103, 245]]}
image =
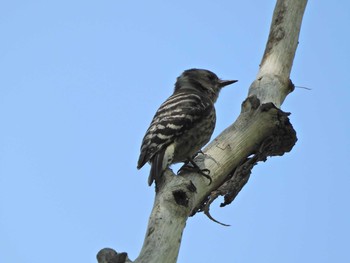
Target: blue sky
{"points": [[79, 84]]}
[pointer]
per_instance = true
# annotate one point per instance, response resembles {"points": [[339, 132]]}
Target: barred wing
{"points": [[177, 114]]}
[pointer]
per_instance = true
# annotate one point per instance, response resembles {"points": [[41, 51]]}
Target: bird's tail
{"points": [[156, 167]]}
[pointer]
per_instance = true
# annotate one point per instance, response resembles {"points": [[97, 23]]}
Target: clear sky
{"points": [[79, 84]]}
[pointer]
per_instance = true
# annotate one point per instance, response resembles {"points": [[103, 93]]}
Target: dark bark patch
{"points": [[181, 198], [277, 31], [191, 187]]}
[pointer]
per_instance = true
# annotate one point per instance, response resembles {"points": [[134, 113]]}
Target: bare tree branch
{"points": [[260, 130]]}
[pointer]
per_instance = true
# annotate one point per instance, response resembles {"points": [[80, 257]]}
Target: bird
{"points": [[183, 124]]}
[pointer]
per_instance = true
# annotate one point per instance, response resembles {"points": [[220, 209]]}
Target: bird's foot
{"points": [[195, 168], [205, 173]]}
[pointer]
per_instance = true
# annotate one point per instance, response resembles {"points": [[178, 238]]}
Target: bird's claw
{"points": [[195, 168], [205, 173]]}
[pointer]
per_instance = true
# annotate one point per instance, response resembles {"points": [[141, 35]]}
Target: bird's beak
{"points": [[223, 83]]}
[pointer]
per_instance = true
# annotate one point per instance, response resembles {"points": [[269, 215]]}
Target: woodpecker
{"points": [[183, 124]]}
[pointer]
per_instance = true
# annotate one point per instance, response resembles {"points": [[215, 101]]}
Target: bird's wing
{"points": [[177, 114]]}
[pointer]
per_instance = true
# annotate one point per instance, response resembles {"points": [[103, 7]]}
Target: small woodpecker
{"points": [[183, 124]]}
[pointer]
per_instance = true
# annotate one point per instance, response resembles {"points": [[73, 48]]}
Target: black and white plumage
{"points": [[183, 124]]}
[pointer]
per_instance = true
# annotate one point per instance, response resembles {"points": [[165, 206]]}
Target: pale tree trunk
{"points": [[260, 130]]}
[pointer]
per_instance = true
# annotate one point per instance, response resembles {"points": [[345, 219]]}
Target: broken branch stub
{"points": [[281, 139]]}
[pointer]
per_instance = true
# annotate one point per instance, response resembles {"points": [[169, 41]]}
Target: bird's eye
{"points": [[211, 77]]}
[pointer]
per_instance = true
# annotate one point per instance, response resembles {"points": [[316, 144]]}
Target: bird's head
{"points": [[202, 80]]}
